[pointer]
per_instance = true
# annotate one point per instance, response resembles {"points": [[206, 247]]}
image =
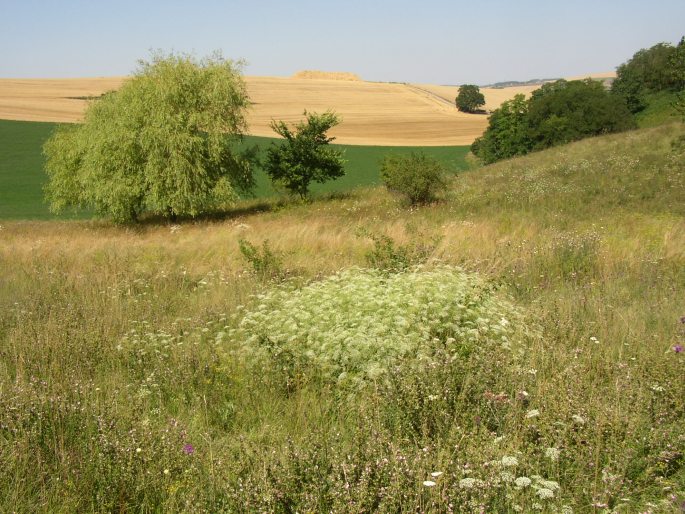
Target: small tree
{"points": [[305, 155], [469, 98], [162, 144], [416, 176]]}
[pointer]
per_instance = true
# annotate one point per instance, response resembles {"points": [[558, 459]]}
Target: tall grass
{"points": [[120, 390]]}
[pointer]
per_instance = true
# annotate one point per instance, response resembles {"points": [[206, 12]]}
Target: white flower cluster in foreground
{"points": [[359, 323]]}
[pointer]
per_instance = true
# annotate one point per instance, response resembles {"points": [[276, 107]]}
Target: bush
{"points": [[266, 263], [417, 177], [356, 325], [388, 255]]}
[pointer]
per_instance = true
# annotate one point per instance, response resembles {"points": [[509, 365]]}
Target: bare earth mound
{"points": [[326, 75]]}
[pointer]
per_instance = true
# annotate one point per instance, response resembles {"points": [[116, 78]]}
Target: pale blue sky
{"points": [[436, 41]]}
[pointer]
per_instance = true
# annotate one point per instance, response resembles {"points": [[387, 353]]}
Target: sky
{"points": [[429, 41]]}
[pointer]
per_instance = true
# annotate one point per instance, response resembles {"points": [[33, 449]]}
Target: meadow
{"points": [[22, 176], [128, 382]]}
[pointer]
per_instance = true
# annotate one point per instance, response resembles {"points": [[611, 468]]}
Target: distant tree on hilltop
{"points": [[469, 98]]}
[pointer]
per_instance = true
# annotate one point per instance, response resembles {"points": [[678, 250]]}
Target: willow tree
{"points": [[164, 143]]}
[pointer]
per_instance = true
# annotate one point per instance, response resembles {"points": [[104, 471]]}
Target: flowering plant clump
{"points": [[359, 323]]}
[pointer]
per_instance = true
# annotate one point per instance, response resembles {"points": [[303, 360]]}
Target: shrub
{"points": [[354, 326], [266, 263], [416, 176], [388, 255]]}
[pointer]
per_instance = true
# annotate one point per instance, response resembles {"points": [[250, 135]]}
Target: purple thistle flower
{"points": [[188, 449], [678, 348]]}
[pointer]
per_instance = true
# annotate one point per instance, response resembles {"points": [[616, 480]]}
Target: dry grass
{"points": [[110, 343]]}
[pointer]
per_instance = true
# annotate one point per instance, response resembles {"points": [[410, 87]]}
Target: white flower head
{"points": [[436, 474], [545, 493], [429, 483], [522, 482], [533, 413], [467, 483], [509, 461], [552, 453], [578, 419], [506, 477]]}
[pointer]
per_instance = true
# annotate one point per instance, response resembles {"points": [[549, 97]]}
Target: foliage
{"points": [[507, 134], [22, 177], [557, 113], [114, 340], [469, 98], [389, 255], [306, 154], [266, 263], [160, 145], [355, 325], [658, 68], [561, 112], [417, 177]]}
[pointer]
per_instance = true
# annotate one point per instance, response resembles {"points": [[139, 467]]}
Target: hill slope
{"points": [[120, 370]]}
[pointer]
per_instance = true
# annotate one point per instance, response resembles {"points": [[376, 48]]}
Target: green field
{"points": [[22, 176]]}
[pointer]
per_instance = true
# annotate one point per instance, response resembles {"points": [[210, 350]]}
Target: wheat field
{"points": [[386, 114]]}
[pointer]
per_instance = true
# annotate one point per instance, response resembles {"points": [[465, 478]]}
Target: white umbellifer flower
{"points": [[545, 493], [166, 471], [578, 419], [534, 413], [467, 483], [436, 474], [429, 483], [552, 453], [566, 509], [522, 482], [594, 339], [509, 461], [138, 450], [549, 484], [506, 477]]}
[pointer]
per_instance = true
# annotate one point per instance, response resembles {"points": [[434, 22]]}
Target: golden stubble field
{"points": [[374, 113]]}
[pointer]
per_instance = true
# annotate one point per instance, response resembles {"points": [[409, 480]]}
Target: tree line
{"points": [[564, 111]]}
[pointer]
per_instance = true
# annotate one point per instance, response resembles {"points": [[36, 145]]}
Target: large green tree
{"points": [[650, 70], [564, 111], [162, 144], [469, 98], [305, 154], [508, 132]]}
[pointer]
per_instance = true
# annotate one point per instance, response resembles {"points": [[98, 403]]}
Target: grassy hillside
{"points": [[22, 176], [659, 110], [124, 387]]}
